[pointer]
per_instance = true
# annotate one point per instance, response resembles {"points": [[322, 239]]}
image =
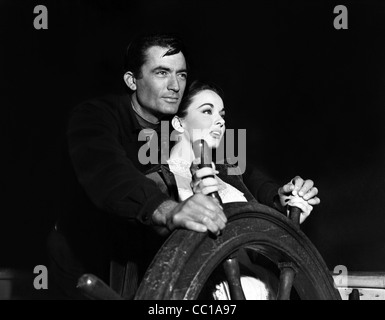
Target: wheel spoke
{"points": [[231, 268], [354, 295], [286, 279]]}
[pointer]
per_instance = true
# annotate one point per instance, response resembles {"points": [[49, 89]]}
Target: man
{"points": [[113, 218]]}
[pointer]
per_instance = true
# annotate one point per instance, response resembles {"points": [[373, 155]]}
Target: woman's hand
{"points": [[203, 180], [297, 201], [299, 193]]}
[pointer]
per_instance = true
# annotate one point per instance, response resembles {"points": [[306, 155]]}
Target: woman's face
{"points": [[205, 118]]}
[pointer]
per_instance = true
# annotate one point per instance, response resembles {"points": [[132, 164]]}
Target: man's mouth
{"points": [[171, 99]]}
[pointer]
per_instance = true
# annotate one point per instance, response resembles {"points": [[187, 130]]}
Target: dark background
{"points": [[311, 97]]}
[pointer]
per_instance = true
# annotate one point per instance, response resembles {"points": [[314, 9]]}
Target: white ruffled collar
{"points": [[180, 166]]}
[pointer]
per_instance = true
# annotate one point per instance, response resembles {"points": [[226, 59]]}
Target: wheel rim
{"points": [[187, 259]]}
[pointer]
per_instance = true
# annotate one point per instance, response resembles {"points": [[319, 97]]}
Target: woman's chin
{"points": [[213, 143]]}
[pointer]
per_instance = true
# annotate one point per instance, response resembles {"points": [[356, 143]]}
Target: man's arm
{"points": [[117, 187], [263, 188], [108, 176], [298, 192]]}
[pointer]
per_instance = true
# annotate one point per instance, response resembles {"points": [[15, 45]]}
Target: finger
{"points": [[298, 182], [304, 206], [194, 185], [195, 165], [196, 161], [205, 187], [200, 185], [286, 189], [223, 217], [311, 193], [207, 203], [218, 218], [314, 201], [219, 222], [307, 185], [208, 182], [195, 226], [204, 172], [208, 190], [210, 224], [221, 214]]}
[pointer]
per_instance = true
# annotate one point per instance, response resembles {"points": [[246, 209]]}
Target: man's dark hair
{"points": [[193, 89], [136, 51]]}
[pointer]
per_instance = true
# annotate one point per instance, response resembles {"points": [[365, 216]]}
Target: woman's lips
{"points": [[216, 134]]}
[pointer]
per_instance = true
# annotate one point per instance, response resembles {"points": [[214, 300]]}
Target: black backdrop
{"points": [[311, 97]]}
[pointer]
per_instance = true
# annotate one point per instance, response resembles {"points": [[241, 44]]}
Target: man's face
{"points": [[160, 87]]}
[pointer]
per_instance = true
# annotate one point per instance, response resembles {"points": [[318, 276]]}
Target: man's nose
{"points": [[173, 84]]}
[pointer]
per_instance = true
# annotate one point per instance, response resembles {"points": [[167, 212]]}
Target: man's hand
{"points": [[299, 193], [197, 213]]}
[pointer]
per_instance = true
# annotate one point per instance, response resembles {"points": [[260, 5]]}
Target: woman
{"points": [[201, 115]]}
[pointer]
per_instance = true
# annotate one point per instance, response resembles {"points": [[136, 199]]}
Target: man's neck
{"points": [[147, 117]]}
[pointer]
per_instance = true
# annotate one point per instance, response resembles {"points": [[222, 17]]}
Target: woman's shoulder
{"points": [[225, 167]]}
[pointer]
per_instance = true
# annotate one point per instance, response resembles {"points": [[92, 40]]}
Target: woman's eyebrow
{"points": [[206, 104]]}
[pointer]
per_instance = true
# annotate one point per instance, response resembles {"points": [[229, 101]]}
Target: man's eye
{"points": [[183, 75], [162, 73], [223, 115]]}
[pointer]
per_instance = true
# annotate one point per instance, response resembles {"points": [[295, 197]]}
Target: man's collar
{"points": [[138, 123]]}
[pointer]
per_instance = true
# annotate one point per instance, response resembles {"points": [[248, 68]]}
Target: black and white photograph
{"points": [[192, 150]]}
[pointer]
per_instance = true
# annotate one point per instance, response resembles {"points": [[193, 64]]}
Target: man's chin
{"points": [[170, 110]]}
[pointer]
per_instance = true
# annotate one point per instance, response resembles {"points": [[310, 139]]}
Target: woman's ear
{"points": [[130, 80], [176, 123]]}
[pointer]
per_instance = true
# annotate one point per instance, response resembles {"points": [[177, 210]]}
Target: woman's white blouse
{"points": [[181, 170]]}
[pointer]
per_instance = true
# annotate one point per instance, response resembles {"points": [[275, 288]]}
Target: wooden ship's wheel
{"points": [[258, 242], [189, 264]]}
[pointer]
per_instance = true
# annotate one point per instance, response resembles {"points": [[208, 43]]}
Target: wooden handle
{"points": [[295, 214]]}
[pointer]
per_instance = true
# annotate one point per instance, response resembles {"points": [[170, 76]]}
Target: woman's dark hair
{"points": [[135, 55], [192, 90]]}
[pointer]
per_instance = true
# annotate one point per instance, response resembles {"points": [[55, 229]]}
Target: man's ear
{"points": [[130, 80], [176, 123]]}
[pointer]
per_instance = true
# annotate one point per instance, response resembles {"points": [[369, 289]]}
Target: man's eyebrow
{"points": [[162, 68], [182, 70], [168, 69]]}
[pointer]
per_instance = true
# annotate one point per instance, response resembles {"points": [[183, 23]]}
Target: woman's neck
{"points": [[182, 150]]}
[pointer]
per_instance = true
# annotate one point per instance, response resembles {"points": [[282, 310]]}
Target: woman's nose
{"points": [[220, 122]]}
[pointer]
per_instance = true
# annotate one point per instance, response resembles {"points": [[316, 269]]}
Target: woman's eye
{"points": [[207, 111]]}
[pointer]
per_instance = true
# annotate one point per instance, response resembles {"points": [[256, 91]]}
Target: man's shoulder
{"points": [[108, 102]]}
